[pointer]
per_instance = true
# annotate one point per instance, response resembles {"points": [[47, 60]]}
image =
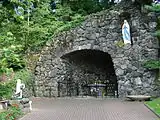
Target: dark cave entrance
{"points": [[88, 73]]}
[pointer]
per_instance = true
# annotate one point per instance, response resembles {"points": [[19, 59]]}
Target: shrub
{"points": [[11, 114], [10, 58], [6, 89], [152, 64], [26, 77]]}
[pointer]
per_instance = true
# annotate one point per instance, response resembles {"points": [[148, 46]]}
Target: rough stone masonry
{"points": [[102, 32]]}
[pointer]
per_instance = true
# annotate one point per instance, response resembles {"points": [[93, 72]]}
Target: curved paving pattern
{"points": [[88, 109]]}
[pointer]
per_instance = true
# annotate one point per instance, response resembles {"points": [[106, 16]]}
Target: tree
{"points": [[88, 6]]}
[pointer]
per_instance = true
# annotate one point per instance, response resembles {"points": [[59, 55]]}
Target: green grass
{"points": [[154, 105]]}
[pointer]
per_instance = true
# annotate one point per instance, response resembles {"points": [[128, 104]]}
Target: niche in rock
{"points": [[88, 72]]}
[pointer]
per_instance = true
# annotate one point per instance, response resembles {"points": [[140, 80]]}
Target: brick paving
{"points": [[88, 109]]}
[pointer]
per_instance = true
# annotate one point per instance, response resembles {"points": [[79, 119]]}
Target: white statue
{"points": [[126, 33], [19, 87], [30, 105]]}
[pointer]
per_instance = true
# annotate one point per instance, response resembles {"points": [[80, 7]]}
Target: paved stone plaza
{"points": [[88, 109]]}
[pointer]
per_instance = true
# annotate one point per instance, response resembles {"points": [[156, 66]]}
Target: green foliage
{"points": [[152, 64], [157, 33], [6, 89], [34, 29], [87, 6], [26, 76], [11, 114], [7, 39], [120, 43], [10, 58], [154, 7]]}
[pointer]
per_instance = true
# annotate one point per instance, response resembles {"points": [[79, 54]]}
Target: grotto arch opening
{"points": [[88, 72]]}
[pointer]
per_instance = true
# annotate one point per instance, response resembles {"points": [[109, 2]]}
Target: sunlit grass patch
{"points": [[154, 105]]}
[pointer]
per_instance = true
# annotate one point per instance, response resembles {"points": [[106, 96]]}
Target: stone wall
{"points": [[102, 31]]}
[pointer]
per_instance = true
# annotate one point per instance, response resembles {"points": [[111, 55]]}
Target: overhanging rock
{"points": [[101, 32]]}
